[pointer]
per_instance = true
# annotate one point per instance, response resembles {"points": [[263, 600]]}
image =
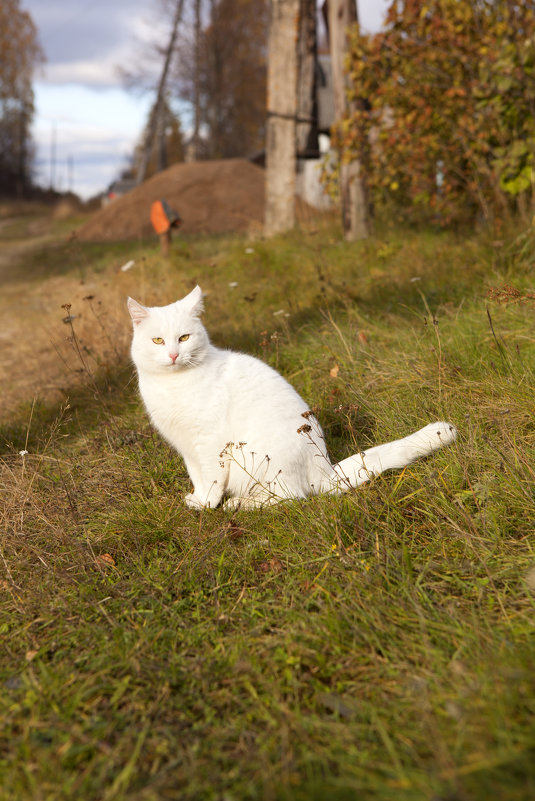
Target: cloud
{"points": [[79, 99], [87, 42], [78, 29], [95, 129], [88, 73]]}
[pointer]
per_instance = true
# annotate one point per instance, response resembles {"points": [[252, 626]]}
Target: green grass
{"points": [[379, 645]]}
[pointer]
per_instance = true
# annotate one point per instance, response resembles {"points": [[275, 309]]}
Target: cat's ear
{"points": [[194, 301], [137, 311]]}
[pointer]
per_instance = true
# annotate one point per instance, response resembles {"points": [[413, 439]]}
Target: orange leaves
{"points": [[333, 372], [30, 655], [455, 81], [273, 565], [455, 91], [105, 560]]}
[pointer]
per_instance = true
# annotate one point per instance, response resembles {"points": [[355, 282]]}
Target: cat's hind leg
{"points": [[253, 501]]}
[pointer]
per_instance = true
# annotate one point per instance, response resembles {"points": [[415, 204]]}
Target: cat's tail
{"points": [[361, 467]]}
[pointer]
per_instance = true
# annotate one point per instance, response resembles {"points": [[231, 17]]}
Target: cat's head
{"points": [[170, 337]]}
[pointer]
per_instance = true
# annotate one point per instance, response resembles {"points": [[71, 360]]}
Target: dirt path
{"points": [[37, 361]]}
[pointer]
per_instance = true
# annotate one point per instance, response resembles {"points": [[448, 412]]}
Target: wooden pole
{"points": [[165, 242], [306, 135], [281, 123], [353, 195]]}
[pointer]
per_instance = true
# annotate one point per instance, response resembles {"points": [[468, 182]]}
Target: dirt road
{"points": [[37, 360]]}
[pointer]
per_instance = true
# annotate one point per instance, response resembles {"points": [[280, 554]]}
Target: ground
{"points": [[39, 274], [377, 645]]}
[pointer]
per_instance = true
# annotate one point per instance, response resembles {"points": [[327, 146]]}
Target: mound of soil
{"points": [[210, 196]]}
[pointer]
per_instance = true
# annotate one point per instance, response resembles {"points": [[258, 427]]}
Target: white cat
{"points": [[242, 430]]}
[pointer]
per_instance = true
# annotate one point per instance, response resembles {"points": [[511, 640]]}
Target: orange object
{"points": [[163, 218]]}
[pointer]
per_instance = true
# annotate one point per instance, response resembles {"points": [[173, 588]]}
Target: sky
{"points": [[86, 123]]}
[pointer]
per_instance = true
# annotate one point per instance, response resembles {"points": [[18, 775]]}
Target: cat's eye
{"points": [[183, 338], [157, 340]]}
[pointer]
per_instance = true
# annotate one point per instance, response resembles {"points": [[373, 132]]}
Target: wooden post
{"points": [[353, 195], [281, 123], [165, 242], [306, 135], [164, 219]]}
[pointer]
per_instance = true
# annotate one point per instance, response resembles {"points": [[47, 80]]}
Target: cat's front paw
{"points": [[193, 502]]}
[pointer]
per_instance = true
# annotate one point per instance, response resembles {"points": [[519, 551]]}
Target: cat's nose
{"points": [[173, 357]]}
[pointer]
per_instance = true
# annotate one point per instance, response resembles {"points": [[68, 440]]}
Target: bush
{"points": [[448, 127]]}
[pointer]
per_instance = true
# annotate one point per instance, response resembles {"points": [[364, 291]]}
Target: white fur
{"points": [[242, 430]]}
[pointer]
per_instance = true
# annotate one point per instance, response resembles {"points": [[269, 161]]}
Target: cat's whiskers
{"points": [[192, 359]]}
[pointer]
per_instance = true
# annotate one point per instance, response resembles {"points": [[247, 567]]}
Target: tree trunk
{"points": [[158, 110], [194, 149], [353, 195], [161, 138], [281, 123]]}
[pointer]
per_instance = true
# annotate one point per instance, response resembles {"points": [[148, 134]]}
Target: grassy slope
{"points": [[378, 645]]}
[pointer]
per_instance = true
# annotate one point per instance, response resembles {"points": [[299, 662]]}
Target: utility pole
{"points": [[53, 156], [355, 208], [70, 174]]}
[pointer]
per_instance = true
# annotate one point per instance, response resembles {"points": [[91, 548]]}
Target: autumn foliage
{"points": [[20, 53], [449, 126], [233, 77], [227, 79]]}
